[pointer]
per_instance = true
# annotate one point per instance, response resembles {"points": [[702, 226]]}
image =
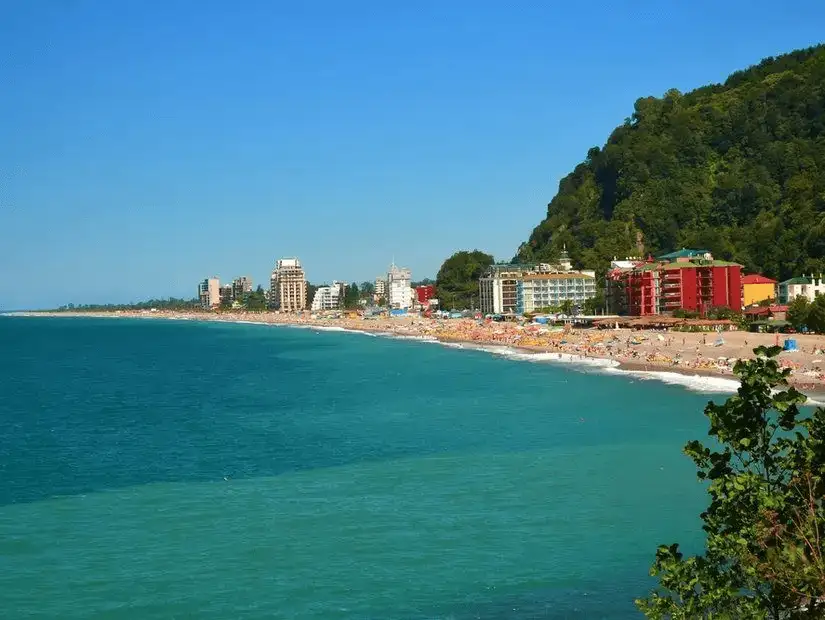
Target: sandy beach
{"points": [[704, 354]]}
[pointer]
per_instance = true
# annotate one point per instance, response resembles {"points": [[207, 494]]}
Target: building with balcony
{"points": [[803, 286], [209, 293], [399, 296], [226, 295], [685, 280], [241, 287], [537, 291], [380, 290], [424, 293], [288, 286], [329, 297], [506, 288]]}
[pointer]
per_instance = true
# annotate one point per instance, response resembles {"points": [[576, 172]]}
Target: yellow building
{"points": [[756, 288]]}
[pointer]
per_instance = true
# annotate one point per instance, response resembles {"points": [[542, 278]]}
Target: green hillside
{"points": [[737, 168]]}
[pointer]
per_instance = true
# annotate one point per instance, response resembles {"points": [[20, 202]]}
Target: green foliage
{"points": [[172, 303], [681, 313], [457, 280], [594, 305], [816, 315], [311, 289], [367, 290], [255, 301], [765, 551], [798, 311], [736, 168], [351, 296]]}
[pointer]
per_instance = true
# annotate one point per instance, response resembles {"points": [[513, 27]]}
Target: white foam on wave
{"points": [[695, 383], [561, 358]]}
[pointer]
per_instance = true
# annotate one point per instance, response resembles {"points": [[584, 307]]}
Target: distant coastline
{"points": [[650, 355]]}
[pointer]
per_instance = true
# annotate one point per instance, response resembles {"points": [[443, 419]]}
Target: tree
{"points": [[351, 296], [367, 290], [256, 300], [735, 168], [765, 525], [816, 315], [592, 305], [457, 280], [798, 311], [311, 288]]}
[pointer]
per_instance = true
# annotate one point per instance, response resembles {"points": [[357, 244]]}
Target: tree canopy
{"points": [[736, 168], [457, 280], [765, 524]]}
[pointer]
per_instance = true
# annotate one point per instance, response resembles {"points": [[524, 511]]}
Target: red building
{"points": [[685, 280], [424, 293]]}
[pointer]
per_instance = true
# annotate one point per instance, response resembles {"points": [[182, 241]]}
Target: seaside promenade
{"points": [[703, 353]]}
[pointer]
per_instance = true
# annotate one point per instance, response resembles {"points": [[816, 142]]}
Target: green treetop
{"points": [[736, 168], [765, 525]]}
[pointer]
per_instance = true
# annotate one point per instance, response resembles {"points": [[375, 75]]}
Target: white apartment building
{"points": [[497, 288], [505, 289], [329, 297], [209, 293], [398, 288], [804, 286], [380, 290], [288, 286], [550, 290]]}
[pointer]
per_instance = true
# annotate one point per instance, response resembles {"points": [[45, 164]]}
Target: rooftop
{"points": [[683, 253], [690, 265], [755, 278], [557, 276]]}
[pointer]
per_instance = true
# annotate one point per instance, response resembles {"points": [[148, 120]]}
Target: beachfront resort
{"points": [[683, 311]]}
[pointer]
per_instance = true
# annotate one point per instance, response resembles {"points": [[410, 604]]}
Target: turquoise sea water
{"points": [[168, 469]]}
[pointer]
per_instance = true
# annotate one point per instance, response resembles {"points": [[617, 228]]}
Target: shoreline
{"points": [[666, 370]]}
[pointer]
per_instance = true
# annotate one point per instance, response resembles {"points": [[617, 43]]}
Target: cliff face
{"points": [[736, 168]]}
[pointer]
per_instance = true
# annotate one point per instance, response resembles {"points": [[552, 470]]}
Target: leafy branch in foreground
{"points": [[765, 553]]}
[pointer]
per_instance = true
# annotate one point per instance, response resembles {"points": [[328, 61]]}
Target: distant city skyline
{"points": [[147, 146]]}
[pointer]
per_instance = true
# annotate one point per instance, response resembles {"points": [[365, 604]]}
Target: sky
{"points": [[146, 145]]}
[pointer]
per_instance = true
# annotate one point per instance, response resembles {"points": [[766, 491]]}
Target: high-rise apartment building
{"points": [[399, 294], [380, 290], [209, 293], [226, 295], [241, 287], [288, 286]]}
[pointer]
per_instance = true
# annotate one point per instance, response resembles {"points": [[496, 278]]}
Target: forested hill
{"points": [[736, 168]]}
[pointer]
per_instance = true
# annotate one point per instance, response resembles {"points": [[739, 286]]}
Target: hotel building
{"points": [[537, 291], [241, 287], [804, 286], [288, 286], [399, 296], [506, 289], [380, 290], [209, 293], [684, 280], [329, 297]]}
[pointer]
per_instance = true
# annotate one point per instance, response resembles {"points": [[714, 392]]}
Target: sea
{"points": [[183, 469]]}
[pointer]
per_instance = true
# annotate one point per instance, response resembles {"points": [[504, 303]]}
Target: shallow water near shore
{"points": [[157, 469]]}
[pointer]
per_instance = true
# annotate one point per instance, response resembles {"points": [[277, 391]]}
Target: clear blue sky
{"points": [[145, 145]]}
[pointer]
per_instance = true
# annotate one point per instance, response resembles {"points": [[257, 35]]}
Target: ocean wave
{"points": [[695, 383], [559, 358]]}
